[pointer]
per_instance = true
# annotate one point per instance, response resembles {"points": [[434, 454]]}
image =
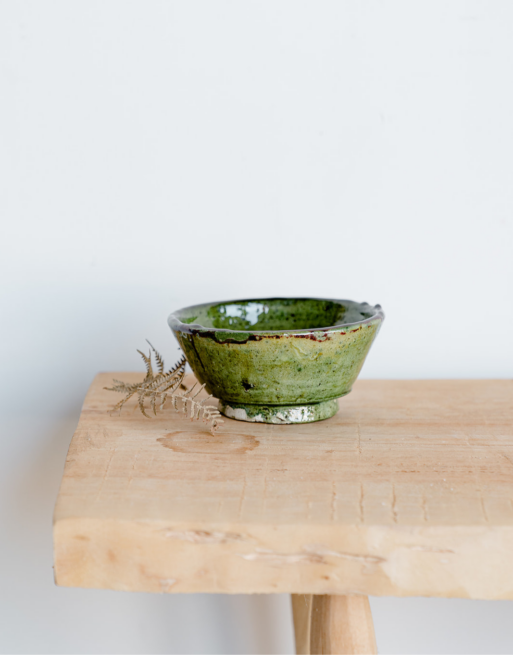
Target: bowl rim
{"points": [[193, 328]]}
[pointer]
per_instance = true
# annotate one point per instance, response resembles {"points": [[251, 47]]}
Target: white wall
{"points": [[157, 154]]}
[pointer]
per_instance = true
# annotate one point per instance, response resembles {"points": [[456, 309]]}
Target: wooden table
{"points": [[407, 491]]}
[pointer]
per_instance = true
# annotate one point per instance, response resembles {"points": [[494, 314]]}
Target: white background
{"points": [[159, 154]]}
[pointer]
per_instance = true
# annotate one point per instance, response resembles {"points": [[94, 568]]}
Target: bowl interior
{"points": [[277, 314]]}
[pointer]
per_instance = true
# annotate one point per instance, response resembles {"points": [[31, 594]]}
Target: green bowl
{"points": [[277, 360]]}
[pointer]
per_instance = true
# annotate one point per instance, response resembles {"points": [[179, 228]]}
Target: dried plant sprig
{"points": [[195, 409], [165, 385]]}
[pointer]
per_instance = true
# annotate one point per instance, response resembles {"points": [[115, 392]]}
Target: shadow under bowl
{"points": [[277, 360]]}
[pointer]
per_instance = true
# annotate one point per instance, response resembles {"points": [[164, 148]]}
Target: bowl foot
{"points": [[280, 414]]}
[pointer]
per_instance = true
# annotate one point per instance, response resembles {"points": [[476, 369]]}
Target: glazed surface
{"points": [[294, 361], [280, 414], [275, 314]]}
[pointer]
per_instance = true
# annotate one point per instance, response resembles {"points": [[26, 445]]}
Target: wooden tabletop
{"points": [[408, 490]]}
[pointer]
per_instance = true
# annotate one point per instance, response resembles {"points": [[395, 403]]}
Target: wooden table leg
{"points": [[333, 625]]}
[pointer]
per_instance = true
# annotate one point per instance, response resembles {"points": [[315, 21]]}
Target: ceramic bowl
{"points": [[277, 360]]}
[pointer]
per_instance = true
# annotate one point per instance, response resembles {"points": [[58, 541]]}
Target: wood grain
{"points": [[408, 490], [331, 624], [302, 615]]}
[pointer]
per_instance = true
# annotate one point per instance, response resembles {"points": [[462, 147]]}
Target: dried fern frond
{"points": [[165, 385], [121, 402], [147, 362], [196, 409], [158, 358]]}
